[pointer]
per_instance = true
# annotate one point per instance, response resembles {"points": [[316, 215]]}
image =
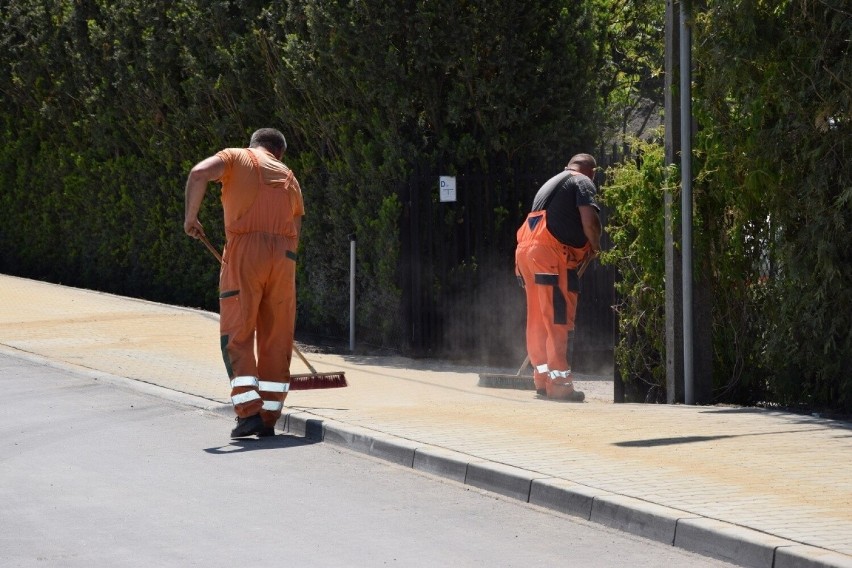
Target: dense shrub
{"points": [[773, 169]]}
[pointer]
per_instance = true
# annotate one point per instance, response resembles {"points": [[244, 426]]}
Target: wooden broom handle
{"points": [[211, 248], [305, 361]]}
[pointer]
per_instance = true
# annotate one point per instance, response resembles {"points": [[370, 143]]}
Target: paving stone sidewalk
{"points": [[755, 487]]}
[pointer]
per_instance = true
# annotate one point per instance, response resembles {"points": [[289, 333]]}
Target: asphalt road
{"points": [[95, 473]]}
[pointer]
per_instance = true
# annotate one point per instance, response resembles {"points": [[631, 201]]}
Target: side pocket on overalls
{"points": [[560, 306], [229, 310]]}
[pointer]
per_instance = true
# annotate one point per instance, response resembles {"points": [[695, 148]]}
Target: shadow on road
{"points": [[277, 442]]}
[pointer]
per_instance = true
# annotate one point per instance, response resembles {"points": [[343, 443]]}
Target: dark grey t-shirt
{"points": [[560, 196]]}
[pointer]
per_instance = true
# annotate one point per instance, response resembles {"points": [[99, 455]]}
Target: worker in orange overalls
{"points": [[263, 209], [562, 231]]}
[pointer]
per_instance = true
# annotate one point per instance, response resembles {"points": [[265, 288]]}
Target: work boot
{"points": [[266, 432], [248, 426], [564, 390], [577, 396]]}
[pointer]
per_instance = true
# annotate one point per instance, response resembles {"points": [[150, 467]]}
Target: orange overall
{"points": [[548, 269], [257, 284]]}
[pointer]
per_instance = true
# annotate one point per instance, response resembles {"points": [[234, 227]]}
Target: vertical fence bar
{"points": [[352, 292]]}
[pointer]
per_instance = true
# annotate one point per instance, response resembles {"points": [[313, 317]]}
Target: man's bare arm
{"points": [[201, 174], [591, 226]]}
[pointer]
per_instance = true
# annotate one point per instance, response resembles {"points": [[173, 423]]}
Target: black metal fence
{"points": [[461, 298]]}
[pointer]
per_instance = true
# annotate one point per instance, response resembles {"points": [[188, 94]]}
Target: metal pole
{"points": [[674, 261], [352, 292], [686, 197]]}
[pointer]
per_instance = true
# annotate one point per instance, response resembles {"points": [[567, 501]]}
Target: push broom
{"points": [[517, 381], [304, 381], [315, 380]]}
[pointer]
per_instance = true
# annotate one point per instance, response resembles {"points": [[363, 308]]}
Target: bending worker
{"points": [[263, 208], [562, 231]]}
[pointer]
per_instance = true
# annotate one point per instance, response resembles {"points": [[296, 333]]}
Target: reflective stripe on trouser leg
{"points": [[244, 381], [271, 386], [273, 394], [272, 406], [540, 376], [561, 377], [268, 388], [244, 395]]}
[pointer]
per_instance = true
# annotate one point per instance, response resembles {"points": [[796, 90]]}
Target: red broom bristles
{"points": [[317, 381], [314, 380]]}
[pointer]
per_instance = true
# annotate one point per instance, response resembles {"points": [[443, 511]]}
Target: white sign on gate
{"points": [[447, 188]]}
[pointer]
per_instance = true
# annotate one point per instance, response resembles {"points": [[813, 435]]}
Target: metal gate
{"points": [[460, 296]]}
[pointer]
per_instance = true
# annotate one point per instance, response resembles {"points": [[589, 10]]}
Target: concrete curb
{"points": [[708, 537], [443, 463], [729, 542], [638, 517], [565, 496], [804, 556], [503, 479]]}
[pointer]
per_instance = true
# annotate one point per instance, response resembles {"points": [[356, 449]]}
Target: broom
{"points": [[314, 380], [516, 381], [306, 381]]}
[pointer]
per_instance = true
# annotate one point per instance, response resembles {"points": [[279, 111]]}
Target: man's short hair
{"points": [[585, 161], [269, 138]]}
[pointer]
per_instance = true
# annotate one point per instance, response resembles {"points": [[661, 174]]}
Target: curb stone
{"points": [[804, 556], [503, 479], [728, 542], [443, 463], [638, 517], [565, 496]]}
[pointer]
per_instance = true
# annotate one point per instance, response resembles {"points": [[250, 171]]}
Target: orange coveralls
{"points": [[548, 269], [257, 284]]}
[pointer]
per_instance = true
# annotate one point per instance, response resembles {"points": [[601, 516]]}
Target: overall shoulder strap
{"points": [[256, 163]]}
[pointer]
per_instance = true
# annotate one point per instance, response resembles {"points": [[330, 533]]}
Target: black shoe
{"points": [[248, 426], [266, 431], [577, 396], [541, 393]]}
